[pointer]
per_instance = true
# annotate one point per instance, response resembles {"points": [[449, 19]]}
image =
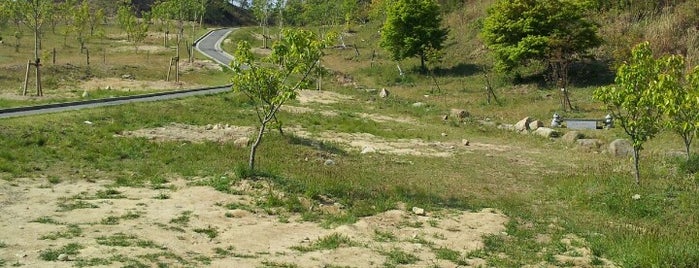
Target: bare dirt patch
{"points": [[178, 224], [321, 96], [183, 132], [130, 85]]}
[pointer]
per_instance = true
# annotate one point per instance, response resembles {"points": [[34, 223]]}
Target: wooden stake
{"points": [[26, 79], [169, 70], [54, 56], [39, 91], [87, 55]]}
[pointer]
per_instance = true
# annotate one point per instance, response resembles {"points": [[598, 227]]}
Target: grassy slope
{"points": [[546, 187]]}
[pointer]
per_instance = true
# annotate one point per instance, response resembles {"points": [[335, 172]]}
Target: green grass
{"points": [[397, 257], [124, 240], [329, 242], [450, 255], [71, 231], [53, 254], [210, 232], [183, 219]]}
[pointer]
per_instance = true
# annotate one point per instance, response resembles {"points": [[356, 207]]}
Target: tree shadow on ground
{"points": [[318, 145], [461, 69], [591, 73]]}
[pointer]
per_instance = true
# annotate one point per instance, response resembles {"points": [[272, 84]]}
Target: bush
{"points": [[691, 166]]}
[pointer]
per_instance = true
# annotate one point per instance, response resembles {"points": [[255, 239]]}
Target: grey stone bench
{"points": [[584, 123]]}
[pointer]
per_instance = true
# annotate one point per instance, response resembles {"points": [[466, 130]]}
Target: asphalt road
{"points": [[209, 45]]}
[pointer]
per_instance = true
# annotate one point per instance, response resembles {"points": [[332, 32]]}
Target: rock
{"points": [[329, 162], [370, 90], [590, 144], [127, 76], [87, 122], [368, 150], [445, 117], [209, 127], [63, 257], [506, 127], [444, 134], [465, 142], [108, 88], [535, 124], [418, 211], [384, 93], [487, 123], [572, 136], [459, 114], [242, 142], [523, 125], [418, 104], [621, 148], [85, 94], [546, 132]]}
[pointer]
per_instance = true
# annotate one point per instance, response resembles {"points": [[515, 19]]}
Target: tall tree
{"points": [[81, 22], [412, 28], [637, 98], [556, 32], [276, 78]]}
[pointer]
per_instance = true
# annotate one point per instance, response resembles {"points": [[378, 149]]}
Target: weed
{"points": [[208, 231], [124, 240], [328, 242], [54, 180], [421, 240], [450, 255], [111, 220], [272, 264], [691, 165], [397, 256], [46, 220], [52, 254], [71, 231], [162, 196], [92, 262], [109, 194], [183, 219], [75, 204], [3, 244], [434, 223], [384, 236]]}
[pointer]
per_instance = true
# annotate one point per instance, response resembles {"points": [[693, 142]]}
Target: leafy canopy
{"points": [[519, 31], [638, 98], [412, 29], [275, 79]]}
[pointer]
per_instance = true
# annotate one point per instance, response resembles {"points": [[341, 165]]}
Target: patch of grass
{"points": [[54, 180], [68, 205], [111, 220], [332, 241], [52, 254], [92, 262], [46, 220], [124, 240], [71, 231], [450, 255], [384, 236], [219, 183], [114, 220], [162, 196], [398, 257], [109, 194], [3, 244], [208, 231], [183, 219], [273, 264], [157, 257]]}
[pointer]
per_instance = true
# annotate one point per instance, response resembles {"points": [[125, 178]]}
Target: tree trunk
{"points": [[687, 144], [636, 164], [253, 148]]}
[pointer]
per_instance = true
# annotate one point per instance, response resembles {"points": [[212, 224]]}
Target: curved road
{"points": [[209, 45]]}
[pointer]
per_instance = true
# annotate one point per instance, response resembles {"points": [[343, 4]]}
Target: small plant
{"points": [[76, 204], [52, 254], [111, 220], [332, 241], [208, 231], [691, 165], [3, 244], [124, 240], [162, 196], [271, 264], [182, 219], [46, 220], [109, 194], [450, 255], [71, 231], [397, 256], [54, 180]]}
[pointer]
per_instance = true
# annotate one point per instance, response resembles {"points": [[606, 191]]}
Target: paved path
{"points": [[209, 45]]}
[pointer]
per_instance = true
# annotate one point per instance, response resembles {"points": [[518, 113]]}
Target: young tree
{"points": [[412, 28], [637, 98], [276, 79], [81, 18], [553, 31], [262, 10], [681, 102], [34, 13]]}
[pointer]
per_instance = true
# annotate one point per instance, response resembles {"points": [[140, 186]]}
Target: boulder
{"points": [[593, 145], [546, 132], [621, 148], [384, 93], [572, 136], [368, 150], [523, 125], [465, 142], [418, 104], [419, 211], [535, 125], [329, 162], [459, 114], [506, 127]]}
